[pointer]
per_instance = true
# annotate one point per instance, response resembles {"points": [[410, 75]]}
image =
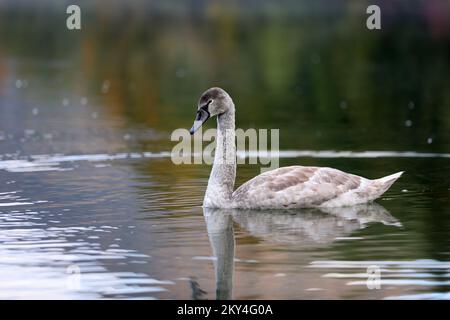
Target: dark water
{"points": [[91, 205]]}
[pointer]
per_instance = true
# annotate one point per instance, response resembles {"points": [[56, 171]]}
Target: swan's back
{"points": [[303, 187]]}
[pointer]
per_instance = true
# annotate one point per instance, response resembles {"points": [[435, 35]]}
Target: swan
{"points": [[282, 188]]}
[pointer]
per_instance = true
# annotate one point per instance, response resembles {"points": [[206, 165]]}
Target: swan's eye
{"points": [[206, 105]]}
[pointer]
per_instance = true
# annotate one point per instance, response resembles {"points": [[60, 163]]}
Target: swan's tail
{"points": [[383, 184], [391, 178]]}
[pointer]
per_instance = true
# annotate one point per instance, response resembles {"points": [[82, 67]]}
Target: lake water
{"points": [[91, 205]]}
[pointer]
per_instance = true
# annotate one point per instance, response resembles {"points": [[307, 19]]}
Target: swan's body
{"points": [[308, 187], [287, 187]]}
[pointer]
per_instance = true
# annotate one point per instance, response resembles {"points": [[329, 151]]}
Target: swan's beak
{"points": [[200, 119]]}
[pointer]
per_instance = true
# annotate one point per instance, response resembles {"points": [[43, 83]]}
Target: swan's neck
{"points": [[221, 181]]}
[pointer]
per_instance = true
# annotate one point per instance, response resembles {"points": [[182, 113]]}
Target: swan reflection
{"points": [[300, 226]]}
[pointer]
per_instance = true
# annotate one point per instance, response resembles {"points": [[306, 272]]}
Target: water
{"points": [[91, 205]]}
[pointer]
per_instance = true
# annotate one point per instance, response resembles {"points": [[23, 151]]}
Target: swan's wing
{"points": [[294, 187]]}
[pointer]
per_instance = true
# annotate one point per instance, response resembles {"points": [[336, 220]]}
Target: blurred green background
{"points": [[312, 69]]}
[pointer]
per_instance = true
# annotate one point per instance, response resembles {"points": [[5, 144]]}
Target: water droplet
{"points": [[405, 190], [430, 140], [105, 86], [65, 102], [408, 123], [94, 115], [19, 83], [84, 101], [411, 105], [35, 111], [29, 132], [180, 73], [127, 136], [343, 104]]}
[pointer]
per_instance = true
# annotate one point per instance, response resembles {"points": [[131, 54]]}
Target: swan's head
{"points": [[213, 102]]}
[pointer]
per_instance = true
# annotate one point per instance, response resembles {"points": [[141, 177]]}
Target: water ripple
{"points": [[36, 163], [38, 262], [418, 273]]}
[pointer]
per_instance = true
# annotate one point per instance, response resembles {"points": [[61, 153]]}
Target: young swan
{"points": [[287, 187]]}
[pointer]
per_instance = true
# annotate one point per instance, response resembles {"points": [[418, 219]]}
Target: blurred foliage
{"points": [[312, 70]]}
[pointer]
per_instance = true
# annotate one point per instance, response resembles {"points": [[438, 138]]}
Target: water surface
{"points": [[91, 205]]}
